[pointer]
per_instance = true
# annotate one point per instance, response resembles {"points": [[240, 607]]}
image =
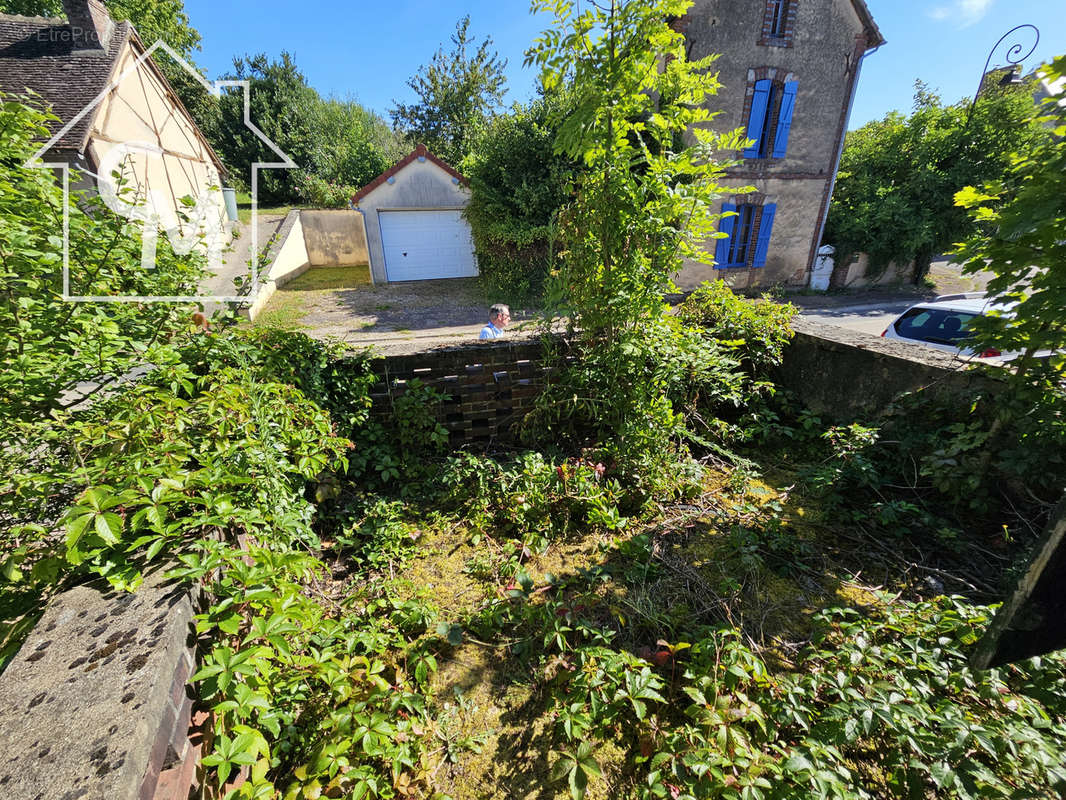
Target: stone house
{"points": [[115, 107], [789, 69]]}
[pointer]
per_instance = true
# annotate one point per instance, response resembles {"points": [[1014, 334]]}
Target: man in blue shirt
{"points": [[499, 316]]}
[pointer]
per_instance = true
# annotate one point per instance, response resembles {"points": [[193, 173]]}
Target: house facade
{"points": [[789, 70], [116, 109]]}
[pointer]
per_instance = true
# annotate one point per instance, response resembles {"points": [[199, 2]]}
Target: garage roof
{"points": [[418, 153]]}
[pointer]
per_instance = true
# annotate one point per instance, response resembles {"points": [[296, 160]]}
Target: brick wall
{"points": [[489, 387]]}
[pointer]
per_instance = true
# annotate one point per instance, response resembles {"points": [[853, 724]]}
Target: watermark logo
{"points": [[134, 183], [202, 222]]}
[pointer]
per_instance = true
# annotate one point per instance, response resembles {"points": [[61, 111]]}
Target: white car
{"points": [[944, 323]]}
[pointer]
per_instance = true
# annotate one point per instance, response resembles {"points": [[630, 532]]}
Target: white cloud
{"points": [[965, 12]]}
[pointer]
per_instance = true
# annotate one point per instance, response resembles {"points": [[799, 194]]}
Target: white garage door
{"points": [[426, 244]]}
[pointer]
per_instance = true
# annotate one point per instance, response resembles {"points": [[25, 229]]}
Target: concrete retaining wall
{"points": [[857, 275], [335, 238], [841, 373], [311, 238]]}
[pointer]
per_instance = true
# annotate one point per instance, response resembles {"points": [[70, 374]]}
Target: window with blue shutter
{"points": [[747, 235], [758, 118], [770, 118], [766, 227], [784, 119]]}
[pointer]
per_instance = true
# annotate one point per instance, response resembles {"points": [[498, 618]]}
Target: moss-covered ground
{"points": [[749, 552]]}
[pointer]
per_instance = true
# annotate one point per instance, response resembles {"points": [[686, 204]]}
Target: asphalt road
{"points": [[869, 318]]}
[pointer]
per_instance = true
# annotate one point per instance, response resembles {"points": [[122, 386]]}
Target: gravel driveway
{"points": [[393, 318]]}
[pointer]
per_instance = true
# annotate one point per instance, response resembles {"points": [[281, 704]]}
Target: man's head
{"points": [[499, 315]]}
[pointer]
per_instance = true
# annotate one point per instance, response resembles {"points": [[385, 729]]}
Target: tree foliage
{"points": [[456, 92], [518, 184], [1020, 222], [643, 203], [337, 145], [49, 346], [898, 175], [351, 146]]}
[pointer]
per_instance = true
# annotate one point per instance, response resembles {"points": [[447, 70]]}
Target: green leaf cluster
{"points": [[54, 352], [898, 176], [636, 120], [1019, 221], [518, 183], [337, 144]]}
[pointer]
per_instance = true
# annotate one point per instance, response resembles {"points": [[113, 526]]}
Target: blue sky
{"points": [[367, 50]]}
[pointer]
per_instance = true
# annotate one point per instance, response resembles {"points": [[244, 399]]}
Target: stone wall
{"points": [[837, 373], [312, 238], [95, 706], [858, 274], [842, 374]]}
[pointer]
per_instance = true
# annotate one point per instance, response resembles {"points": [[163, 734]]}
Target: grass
{"points": [[294, 301], [244, 208], [284, 311], [493, 694]]}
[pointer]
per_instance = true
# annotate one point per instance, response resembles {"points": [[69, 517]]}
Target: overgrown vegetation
{"points": [[642, 205], [49, 347], [626, 610], [518, 184]]}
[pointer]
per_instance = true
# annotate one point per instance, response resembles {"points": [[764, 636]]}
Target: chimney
{"points": [[90, 24]]}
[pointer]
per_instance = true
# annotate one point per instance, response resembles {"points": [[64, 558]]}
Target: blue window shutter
{"points": [[765, 228], [725, 225], [760, 102], [784, 119]]}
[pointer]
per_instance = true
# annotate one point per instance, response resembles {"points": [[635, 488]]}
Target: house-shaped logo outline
{"points": [[215, 88]]}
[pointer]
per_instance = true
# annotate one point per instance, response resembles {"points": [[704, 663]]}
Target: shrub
{"points": [[517, 184], [314, 190], [756, 331], [47, 345]]}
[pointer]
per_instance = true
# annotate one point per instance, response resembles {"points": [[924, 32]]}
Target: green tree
{"points": [[47, 345], [643, 204], [898, 175], [456, 91], [281, 105], [351, 147], [337, 145], [1020, 237], [518, 184]]}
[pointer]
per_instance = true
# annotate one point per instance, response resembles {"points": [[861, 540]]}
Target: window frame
{"points": [[754, 219], [779, 23]]}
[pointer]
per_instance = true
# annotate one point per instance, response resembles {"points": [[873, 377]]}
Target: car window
{"points": [[935, 325]]}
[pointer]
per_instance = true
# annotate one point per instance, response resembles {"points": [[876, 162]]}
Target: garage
{"points": [[415, 228], [422, 245]]}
